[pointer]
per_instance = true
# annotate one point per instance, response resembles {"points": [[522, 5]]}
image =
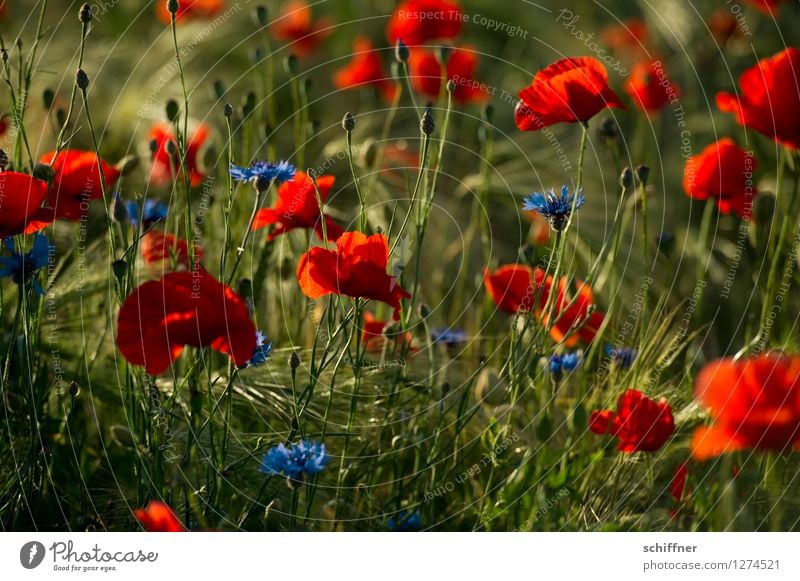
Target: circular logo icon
{"points": [[31, 554]]}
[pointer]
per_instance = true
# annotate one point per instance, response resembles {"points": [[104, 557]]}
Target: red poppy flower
{"points": [[159, 248], [297, 207], [296, 26], [163, 316], [568, 91], [426, 74], [374, 337], [754, 403], [190, 10], [724, 172], [76, 182], [164, 164], [677, 485], [572, 321], [20, 198], [365, 69], [158, 518], [628, 36], [770, 98], [766, 6], [514, 287], [357, 268], [418, 21], [640, 423], [649, 86]]}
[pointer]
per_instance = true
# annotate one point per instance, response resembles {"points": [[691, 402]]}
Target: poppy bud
{"points": [[643, 174], [250, 100], [308, 84], [443, 54], [294, 360], [173, 6], [218, 89], [314, 126], [256, 55], [127, 165], [348, 122], [44, 172], [397, 71], [262, 184], [451, 86], [626, 179], [245, 287], [370, 154], [292, 65], [120, 267], [765, 209], [488, 113], [48, 96], [427, 124], [85, 14], [172, 110], [490, 388], [3, 160], [424, 311], [607, 128], [227, 110], [82, 80], [119, 210], [401, 52], [153, 146], [171, 147], [261, 15], [61, 117], [74, 388]]}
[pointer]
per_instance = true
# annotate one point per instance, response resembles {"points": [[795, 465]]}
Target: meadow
{"points": [[414, 265]]}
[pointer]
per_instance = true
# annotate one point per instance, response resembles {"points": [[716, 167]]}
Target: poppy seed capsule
{"points": [[427, 124], [401, 52], [85, 14], [643, 174], [227, 110], [82, 80], [171, 147], [173, 6], [348, 122], [294, 360]]}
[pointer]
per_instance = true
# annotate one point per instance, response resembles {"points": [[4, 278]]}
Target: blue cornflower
{"points": [[151, 212], [261, 352], [264, 172], [295, 460], [449, 336], [623, 357], [405, 522], [563, 362], [555, 208], [22, 267]]}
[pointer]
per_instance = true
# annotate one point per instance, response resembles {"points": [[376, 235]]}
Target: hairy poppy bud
{"points": [[120, 268], [451, 86], [294, 360], [173, 6], [74, 388], [443, 54], [227, 110], [292, 65], [261, 15], [218, 89], [3, 160], [427, 124], [488, 113], [44, 172], [48, 96], [172, 109], [82, 80], [607, 128], [119, 210], [424, 311], [153, 146], [348, 122], [262, 184], [643, 174], [61, 117], [85, 14], [401, 52], [171, 147], [245, 287], [626, 179]]}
